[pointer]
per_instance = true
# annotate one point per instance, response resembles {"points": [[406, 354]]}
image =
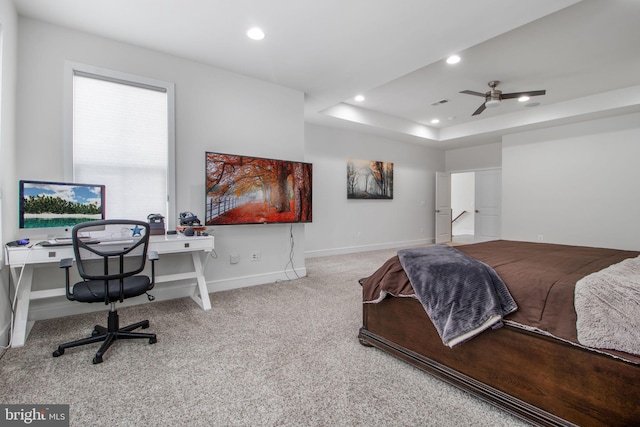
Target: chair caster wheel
{"points": [[153, 340], [59, 352], [94, 333], [144, 325], [97, 360]]}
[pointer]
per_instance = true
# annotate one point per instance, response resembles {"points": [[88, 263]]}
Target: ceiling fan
{"points": [[494, 96]]}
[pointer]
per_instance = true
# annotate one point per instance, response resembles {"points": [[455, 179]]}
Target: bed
{"points": [[534, 366]]}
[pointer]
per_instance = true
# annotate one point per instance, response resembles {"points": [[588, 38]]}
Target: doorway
{"points": [[476, 204], [463, 202]]}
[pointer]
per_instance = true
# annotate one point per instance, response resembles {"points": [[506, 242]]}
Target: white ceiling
{"points": [[584, 53]]}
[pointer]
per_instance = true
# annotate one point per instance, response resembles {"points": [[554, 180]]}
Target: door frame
{"points": [[442, 214]]}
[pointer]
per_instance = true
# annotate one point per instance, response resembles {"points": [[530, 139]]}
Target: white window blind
{"points": [[120, 138]]}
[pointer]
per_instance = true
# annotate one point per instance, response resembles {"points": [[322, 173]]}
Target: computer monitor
{"points": [[51, 209]]}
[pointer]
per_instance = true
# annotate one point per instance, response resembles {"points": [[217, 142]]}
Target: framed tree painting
{"points": [[369, 179]]}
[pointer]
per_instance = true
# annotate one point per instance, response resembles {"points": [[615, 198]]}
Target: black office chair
{"points": [[110, 255]]}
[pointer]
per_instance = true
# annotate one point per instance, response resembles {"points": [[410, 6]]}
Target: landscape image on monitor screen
{"points": [[253, 190], [57, 204]]}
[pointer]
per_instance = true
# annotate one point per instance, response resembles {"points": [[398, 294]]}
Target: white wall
{"points": [[8, 190], [341, 225], [215, 111], [474, 158], [574, 184]]}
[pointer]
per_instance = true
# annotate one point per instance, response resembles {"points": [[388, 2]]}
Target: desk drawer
{"points": [[38, 255], [169, 245]]}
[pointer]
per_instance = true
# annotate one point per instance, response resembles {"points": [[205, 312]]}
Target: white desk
{"points": [[22, 260]]}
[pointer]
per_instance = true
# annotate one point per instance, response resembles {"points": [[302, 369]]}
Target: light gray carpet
{"points": [[282, 354]]}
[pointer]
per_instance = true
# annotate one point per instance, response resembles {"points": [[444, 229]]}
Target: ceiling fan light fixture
{"points": [[493, 97]]}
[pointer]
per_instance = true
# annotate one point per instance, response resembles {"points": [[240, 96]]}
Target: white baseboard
{"points": [[59, 307], [366, 248], [259, 279]]}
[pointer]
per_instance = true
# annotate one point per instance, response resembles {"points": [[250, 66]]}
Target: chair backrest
{"points": [[110, 249]]}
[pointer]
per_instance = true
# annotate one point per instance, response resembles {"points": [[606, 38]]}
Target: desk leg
{"points": [[200, 294], [21, 325]]}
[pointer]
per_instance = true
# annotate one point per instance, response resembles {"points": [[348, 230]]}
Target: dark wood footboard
{"points": [[534, 377]]}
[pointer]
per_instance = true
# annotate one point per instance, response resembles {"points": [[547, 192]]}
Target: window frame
{"points": [[72, 69]]}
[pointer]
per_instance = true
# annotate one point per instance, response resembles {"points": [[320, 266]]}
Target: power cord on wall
{"points": [[291, 253]]}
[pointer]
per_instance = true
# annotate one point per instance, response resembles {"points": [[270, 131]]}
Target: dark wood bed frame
{"points": [[534, 377]]}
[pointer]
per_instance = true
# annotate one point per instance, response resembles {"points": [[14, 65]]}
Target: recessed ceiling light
{"points": [[359, 98], [435, 121], [453, 59], [255, 34], [523, 98]]}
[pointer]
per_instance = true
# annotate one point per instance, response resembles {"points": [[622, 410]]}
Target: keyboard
{"points": [[116, 242], [48, 243], [65, 242]]}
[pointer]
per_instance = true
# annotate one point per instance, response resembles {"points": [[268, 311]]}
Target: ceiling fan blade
{"points": [[480, 109], [471, 92], [519, 94]]}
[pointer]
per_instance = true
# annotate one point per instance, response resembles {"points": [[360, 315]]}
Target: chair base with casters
{"points": [[111, 272], [112, 332]]}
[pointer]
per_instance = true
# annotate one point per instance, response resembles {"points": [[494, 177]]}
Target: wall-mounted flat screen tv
{"points": [[59, 205], [253, 190]]}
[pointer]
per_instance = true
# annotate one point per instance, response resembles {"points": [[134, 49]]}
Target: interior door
{"points": [[443, 207], [488, 204]]}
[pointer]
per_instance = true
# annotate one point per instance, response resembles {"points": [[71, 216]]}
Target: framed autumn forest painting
{"points": [[369, 179], [253, 190]]}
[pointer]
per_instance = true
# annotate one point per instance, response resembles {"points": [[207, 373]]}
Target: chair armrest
{"points": [[153, 257], [66, 263]]}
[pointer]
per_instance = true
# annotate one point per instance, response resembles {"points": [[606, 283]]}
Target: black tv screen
{"points": [[253, 190]]}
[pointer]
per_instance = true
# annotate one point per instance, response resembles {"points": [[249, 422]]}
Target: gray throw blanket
{"points": [[461, 295]]}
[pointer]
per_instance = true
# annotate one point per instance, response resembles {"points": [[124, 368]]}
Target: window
{"points": [[121, 133]]}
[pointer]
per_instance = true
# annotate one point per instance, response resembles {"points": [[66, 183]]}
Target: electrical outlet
{"points": [[540, 238], [234, 258], [255, 256]]}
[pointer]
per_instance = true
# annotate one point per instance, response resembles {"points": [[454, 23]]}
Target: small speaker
{"points": [[188, 231]]}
